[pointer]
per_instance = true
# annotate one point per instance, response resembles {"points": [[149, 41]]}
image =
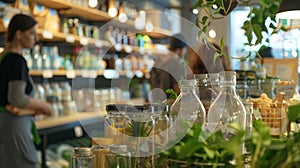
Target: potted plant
{"points": [[255, 26]]}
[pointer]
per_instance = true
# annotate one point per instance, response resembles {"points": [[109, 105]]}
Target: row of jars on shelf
{"points": [[46, 58]]}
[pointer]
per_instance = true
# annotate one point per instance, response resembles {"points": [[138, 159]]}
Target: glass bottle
{"points": [[27, 56], [205, 92], [83, 157], [37, 58], [227, 110], [215, 81], [188, 105]]}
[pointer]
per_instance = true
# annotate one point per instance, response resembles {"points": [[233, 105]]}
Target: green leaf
{"points": [[204, 19], [210, 153], [294, 113], [249, 35], [216, 55], [257, 31], [173, 94], [222, 42]]}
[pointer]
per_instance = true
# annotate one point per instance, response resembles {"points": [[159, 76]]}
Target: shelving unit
{"points": [[49, 128], [90, 14], [74, 10]]}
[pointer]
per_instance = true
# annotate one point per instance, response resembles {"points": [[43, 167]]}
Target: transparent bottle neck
{"points": [[228, 87], [184, 89]]}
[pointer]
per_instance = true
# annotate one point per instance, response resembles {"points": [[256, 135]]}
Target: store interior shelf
{"points": [[82, 73], [90, 14], [48, 36], [74, 10]]}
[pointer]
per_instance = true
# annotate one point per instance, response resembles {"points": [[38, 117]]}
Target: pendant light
{"points": [[122, 15], [289, 9], [112, 10]]}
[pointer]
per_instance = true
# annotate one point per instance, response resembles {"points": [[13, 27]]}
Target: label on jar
{"points": [[288, 89]]}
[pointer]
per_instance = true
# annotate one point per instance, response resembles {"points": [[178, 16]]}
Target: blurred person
{"points": [[18, 132], [203, 62], [169, 69]]}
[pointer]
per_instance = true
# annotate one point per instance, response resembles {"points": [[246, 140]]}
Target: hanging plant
{"points": [[255, 25]]}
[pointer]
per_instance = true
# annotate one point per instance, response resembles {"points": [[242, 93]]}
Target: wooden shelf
{"points": [[79, 116], [90, 14], [74, 10], [47, 36]]}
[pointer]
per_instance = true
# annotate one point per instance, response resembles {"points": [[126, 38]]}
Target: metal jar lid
{"points": [[83, 151]]}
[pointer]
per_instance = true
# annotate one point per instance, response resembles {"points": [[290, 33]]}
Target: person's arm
{"points": [[17, 98]]}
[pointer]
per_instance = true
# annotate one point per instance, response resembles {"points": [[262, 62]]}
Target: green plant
{"points": [[255, 26]]}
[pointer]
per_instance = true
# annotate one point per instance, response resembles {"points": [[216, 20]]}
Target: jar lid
{"points": [[102, 141], [116, 107], [151, 108], [83, 150], [116, 148]]}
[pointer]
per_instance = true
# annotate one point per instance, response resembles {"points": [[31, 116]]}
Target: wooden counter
{"points": [[77, 117]]}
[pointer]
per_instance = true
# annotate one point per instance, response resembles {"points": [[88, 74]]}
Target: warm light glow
{"points": [[295, 14], [112, 12], [212, 33], [122, 15], [215, 6], [195, 11], [149, 26], [93, 3]]}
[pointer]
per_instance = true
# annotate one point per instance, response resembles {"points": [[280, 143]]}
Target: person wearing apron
{"points": [[17, 148]]}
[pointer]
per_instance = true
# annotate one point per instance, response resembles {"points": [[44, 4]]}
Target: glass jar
{"points": [[227, 110], [118, 157], [142, 140], [242, 89], [267, 85], [100, 147], [116, 122], [204, 91], [83, 157]]}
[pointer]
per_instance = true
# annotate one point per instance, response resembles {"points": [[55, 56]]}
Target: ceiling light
{"points": [[289, 9], [195, 11]]}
